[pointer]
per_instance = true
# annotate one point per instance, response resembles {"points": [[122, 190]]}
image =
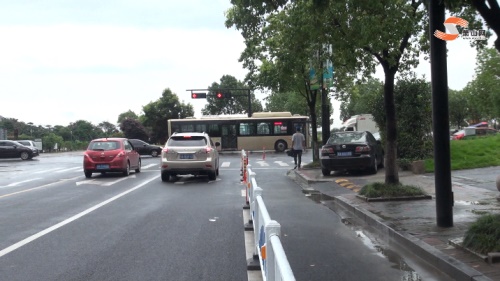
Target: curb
{"points": [[451, 266]]}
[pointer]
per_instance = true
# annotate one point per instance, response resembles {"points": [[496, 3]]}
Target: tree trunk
{"points": [[391, 167], [312, 111]]}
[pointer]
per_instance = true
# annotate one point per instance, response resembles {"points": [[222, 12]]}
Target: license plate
{"points": [[102, 166], [347, 153], [186, 156]]}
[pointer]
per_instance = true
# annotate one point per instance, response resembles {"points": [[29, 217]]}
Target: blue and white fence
{"points": [[268, 249]]}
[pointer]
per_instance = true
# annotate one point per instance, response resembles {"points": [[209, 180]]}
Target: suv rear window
{"points": [[104, 145], [187, 141]]}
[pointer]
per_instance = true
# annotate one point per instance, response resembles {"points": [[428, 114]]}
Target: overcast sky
{"points": [[66, 60]]}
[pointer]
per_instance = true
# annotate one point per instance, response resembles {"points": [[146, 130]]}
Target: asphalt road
{"points": [[58, 225]]}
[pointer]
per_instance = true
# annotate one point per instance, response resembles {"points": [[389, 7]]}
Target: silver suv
{"points": [[189, 154]]}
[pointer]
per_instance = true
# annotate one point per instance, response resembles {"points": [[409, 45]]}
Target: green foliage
{"points": [[128, 114], [382, 190], [133, 129], [404, 164], [49, 142], [458, 108], [472, 153], [483, 236], [157, 114], [237, 104], [413, 110]]}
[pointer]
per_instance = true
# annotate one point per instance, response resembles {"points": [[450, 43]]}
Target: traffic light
{"points": [[222, 95], [198, 95]]}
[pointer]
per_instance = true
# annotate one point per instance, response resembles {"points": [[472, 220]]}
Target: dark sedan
{"points": [[145, 148], [351, 151], [13, 149]]}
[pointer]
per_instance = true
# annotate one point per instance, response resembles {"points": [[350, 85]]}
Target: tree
{"points": [[413, 108], [362, 34], [84, 131], [457, 103], [49, 142], [488, 79], [125, 115], [108, 128], [238, 103], [157, 114], [287, 45], [133, 129]]}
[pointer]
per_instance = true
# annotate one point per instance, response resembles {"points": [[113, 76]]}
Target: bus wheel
{"points": [[280, 146]]}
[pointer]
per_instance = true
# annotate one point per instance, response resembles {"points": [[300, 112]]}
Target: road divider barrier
{"points": [[268, 254]]}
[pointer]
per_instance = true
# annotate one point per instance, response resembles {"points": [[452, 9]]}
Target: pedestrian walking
{"points": [[298, 145]]}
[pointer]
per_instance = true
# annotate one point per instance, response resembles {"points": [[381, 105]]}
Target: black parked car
{"points": [[351, 151], [145, 148], [13, 149]]}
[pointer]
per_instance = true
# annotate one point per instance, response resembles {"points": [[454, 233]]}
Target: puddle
{"points": [[318, 197], [468, 203], [408, 274]]}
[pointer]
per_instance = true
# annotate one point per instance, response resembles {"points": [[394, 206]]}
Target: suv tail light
{"points": [[205, 150]]}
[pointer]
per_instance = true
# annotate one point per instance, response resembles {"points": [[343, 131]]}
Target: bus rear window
{"points": [[182, 141]]}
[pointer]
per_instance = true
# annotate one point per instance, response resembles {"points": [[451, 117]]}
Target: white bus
{"points": [[262, 131]]}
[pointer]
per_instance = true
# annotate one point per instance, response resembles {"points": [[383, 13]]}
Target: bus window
{"points": [[202, 128], [263, 129], [214, 130], [247, 129], [280, 128], [187, 128]]}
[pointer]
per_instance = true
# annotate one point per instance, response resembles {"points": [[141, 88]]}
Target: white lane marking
{"points": [[19, 182], [149, 166], [119, 180], [281, 163], [46, 171], [73, 218], [262, 163], [69, 169], [103, 183], [243, 193], [225, 164], [38, 187]]}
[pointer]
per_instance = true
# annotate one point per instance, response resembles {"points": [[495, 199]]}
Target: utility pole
{"points": [[440, 117]]}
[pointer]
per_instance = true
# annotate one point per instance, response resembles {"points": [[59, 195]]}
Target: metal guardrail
{"points": [[268, 250]]}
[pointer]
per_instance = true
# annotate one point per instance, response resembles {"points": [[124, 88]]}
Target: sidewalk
{"points": [[413, 224]]}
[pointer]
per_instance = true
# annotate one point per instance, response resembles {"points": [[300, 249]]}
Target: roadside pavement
{"points": [[412, 225]]}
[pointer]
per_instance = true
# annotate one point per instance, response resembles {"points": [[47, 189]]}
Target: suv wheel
{"points": [[154, 153], [212, 175], [165, 177]]}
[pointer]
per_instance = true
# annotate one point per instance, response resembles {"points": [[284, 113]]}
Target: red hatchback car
{"points": [[111, 155]]}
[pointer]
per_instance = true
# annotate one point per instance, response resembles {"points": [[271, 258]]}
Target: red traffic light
{"points": [[223, 95], [198, 95]]}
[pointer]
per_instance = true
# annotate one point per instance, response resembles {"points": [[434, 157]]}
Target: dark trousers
{"points": [[297, 155]]}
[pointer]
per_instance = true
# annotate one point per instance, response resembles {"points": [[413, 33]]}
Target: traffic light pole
{"points": [[225, 90], [440, 117]]}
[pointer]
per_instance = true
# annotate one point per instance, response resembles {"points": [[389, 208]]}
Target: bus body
{"points": [[262, 131]]}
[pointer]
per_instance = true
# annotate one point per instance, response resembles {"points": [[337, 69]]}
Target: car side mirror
{"points": [[217, 143]]}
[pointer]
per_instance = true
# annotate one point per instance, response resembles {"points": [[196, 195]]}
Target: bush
{"points": [[382, 190], [483, 236]]}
